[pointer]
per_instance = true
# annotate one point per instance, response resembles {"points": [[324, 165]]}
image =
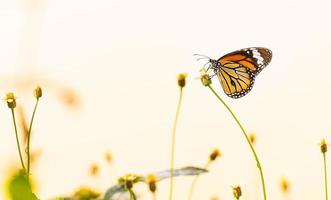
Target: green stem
{"points": [[325, 178], [29, 136], [17, 140], [195, 180], [247, 139], [132, 195], [173, 142]]}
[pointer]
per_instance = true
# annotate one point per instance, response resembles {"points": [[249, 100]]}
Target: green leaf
{"points": [[186, 171], [19, 188]]}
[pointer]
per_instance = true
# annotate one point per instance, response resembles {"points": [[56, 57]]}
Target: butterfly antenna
{"points": [[201, 56]]}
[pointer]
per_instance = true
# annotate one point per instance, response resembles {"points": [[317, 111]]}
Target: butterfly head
{"points": [[214, 65]]}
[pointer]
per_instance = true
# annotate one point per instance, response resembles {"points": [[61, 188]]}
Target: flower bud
{"points": [[215, 154], [11, 100], [151, 181], [236, 192], [324, 146], [205, 78], [38, 92], [181, 78]]}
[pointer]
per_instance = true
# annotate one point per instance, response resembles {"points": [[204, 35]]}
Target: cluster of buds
{"points": [[11, 99]]}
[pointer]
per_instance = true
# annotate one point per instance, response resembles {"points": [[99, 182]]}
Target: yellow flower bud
{"points": [[38, 92], [236, 192], [181, 78], [324, 146], [11, 100], [128, 180], [108, 157], [215, 154], [151, 181], [94, 169], [252, 138], [285, 185]]}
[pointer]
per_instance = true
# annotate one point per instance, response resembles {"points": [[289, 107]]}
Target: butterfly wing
{"points": [[238, 70]]}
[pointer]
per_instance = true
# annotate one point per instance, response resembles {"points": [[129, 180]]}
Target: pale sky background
{"points": [[122, 58]]}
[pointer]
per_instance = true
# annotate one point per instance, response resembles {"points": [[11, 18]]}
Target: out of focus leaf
{"points": [[186, 171], [20, 188]]}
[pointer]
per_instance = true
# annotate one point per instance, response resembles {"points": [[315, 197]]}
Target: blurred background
{"points": [[108, 71]]}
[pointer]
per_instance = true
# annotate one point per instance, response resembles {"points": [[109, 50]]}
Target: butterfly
{"points": [[237, 70]]}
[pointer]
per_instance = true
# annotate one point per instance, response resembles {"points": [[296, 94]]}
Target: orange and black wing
{"points": [[238, 70]]}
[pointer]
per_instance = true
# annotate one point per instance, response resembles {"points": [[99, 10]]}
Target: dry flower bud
{"points": [[151, 181], [94, 169], [215, 154], [252, 138], [181, 78], [108, 157], [128, 180], [38, 92], [236, 192], [11, 100], [324, 146], [284, 185]]}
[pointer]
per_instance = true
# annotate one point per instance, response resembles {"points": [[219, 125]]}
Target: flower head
{"points": [[324, 146], [284, 185], [215, 154], [236, 191], [181, 78], [151, 181], [38, 92], [252, 138], [128, 180], [94, 169], [108, 157], [11, 100], [205, 78]]}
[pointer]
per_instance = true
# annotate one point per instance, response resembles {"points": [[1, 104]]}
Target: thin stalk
{"points": [[17, 140], [247, 139], [173, 142], [132, 195], [154, 195], [195, 180], [325, 178], [29, 136]]}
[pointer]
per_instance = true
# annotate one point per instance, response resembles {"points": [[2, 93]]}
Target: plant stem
{"points": [[195, 180], [132, 195], [17, 140], [325, 178], [247, 139], [29, 136], [154, 196], [173, 142]]}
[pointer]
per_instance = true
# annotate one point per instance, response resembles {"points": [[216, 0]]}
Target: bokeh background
{"points": [[108, 69]]}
